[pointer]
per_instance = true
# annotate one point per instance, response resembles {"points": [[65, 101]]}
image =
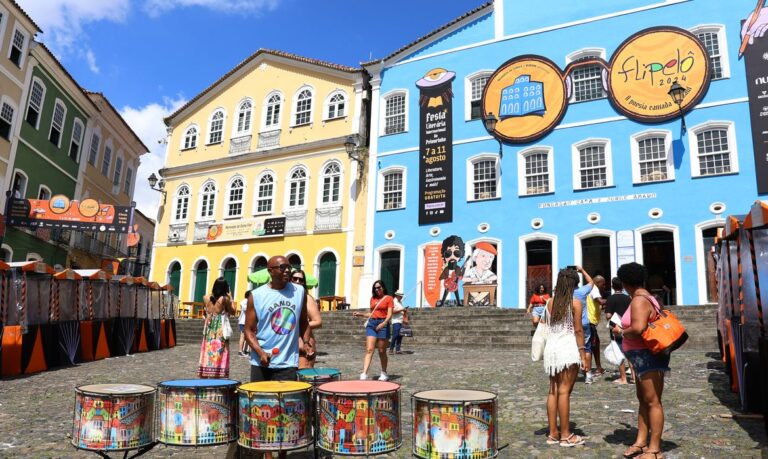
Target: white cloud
{"points": [[155, 8], [148, 124], [91, 59]]}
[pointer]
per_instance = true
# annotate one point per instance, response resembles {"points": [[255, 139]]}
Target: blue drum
{"points": [[318, 376]]}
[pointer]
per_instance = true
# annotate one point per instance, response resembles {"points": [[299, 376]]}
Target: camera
{"points": [[573, 267]]}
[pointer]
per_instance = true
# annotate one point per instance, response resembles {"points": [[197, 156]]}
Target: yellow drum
{"points": [[275, 415]]}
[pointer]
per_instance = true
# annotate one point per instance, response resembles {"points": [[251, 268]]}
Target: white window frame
{"points": [[200, 196], [8, 249], [10, 102], [296, 106], [109, 145], [129, 175], [468, 92], [5, 18], [265, 109], [208, 138], [327, 105], [582, 54], [380, 193], [719, 30], [522, 188], [228, 200], [79, 142], [576, 163], [183, 143], [176, 198], [634, 149], [41, 188], [321, 184], [288, 181], [693, 146], [23, 191], [42, 100], [236, 118], [383, 111], [25, 46], [58, 103], [257, 185], [470, 175], [116, 179]]}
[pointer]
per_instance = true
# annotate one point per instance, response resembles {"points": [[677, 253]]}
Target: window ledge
{"points": [[654, 182], [390, 210], [497, 198], [714, 175], [233, 217], [580, 190], [394, 133], [548, 193], [261, 214], [190, 148], [213, 143], [300, 125], [334, 118], [574, 101]]}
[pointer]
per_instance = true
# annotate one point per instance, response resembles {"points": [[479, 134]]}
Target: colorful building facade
{"points": [[587, 164], [256, 166]]}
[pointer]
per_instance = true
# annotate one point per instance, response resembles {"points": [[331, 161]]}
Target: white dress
{"points": [[561, 350]]}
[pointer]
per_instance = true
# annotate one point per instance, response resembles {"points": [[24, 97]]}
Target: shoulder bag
{"points": [[539, 340], [226, 327], [365, 325], [666, 333]]}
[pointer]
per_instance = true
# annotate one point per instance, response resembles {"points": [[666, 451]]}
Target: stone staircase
{"points": [[467, 327]]}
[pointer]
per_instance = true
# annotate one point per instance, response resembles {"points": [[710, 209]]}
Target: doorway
{"points": [[710, 265], [201, 281], [295, 261], [327, 281], [538, 256], [174, 277], [659, 260], [390, 270], [596, 257], [229, 274]]}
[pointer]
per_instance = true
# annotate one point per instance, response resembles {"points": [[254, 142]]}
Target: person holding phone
{"points": [[377, 330]]}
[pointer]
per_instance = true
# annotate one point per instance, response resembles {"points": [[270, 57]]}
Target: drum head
{"points": [[454, 395], [274, 387], [115, 389], [358, 387], [199, 383], [312, 373]]}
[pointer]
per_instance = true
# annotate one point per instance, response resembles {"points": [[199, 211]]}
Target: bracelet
{"points": [[582, 348]]}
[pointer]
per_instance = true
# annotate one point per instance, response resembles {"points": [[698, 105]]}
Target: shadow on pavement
{"points": [[626, 435]]}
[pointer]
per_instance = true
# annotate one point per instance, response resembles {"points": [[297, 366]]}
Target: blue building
{"points": [[593, 167]]}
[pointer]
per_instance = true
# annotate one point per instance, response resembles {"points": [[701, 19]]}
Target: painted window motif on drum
{"points": [[303, 108], [297, 189], [265, 194], [331, 184], [207, 200], [216, 127], [235, 197], [394, 113]]}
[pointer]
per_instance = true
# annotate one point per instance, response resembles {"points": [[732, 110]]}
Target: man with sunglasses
{"points": [[275, 318], [453, 253]]}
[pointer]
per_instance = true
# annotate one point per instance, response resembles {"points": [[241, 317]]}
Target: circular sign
{"points": [[89, 207], [527, 95], [59, 204], [646, 65]]}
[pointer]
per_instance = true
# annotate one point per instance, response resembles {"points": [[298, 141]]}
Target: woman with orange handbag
{"points": [[649, 368]]}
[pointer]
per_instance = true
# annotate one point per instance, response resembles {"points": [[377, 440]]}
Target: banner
{"points": [[433, 266], [436, 147], [60, 212], [246, 229], [757, 92]]}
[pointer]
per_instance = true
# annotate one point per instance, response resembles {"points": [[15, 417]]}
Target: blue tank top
{"points": [[278, 313]]}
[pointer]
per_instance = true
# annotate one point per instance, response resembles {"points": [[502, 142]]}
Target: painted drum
{"points": [[317, 376], [197, 412], [113, 417], [359, 417], [460, 424], [275, 415]]}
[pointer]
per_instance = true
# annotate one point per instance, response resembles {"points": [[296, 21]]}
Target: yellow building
{"points": [[256, 166]]}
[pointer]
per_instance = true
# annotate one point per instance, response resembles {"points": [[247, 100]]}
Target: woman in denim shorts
{"points": [[377, 330], [537, 304]]}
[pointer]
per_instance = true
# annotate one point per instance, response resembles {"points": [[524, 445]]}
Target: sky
{"points": [[149, 57]]}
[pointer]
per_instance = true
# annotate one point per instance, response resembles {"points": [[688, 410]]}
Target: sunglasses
{"points": [[283, 267], [456, 253], [300, 280]]}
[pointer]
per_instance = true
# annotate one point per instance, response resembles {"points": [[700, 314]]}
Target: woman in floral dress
{"points": [[214, 354]]}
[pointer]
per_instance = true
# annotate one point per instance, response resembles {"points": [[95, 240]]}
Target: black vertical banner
{"points": [[757, 89], [435, 147]]}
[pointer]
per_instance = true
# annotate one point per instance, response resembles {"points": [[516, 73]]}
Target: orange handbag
{"points": [[666, 333]]}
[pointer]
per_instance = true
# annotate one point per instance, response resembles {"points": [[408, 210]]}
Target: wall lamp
{"points": [[490, 126], [157, 185], [677, 93], [354, 153]]}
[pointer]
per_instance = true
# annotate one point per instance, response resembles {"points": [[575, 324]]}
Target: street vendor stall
{"points": [[95, 302], [65, 313]]}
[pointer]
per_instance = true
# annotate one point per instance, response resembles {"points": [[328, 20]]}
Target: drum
{"points": [[113, 417], [195, 412], [275, 415], [359, 417], [317, 376], [454, 423]]}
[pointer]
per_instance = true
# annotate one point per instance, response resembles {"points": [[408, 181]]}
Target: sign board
{"points": [[756, 63], [625, 247], [246, 229], [433, 266], [61, 212]]}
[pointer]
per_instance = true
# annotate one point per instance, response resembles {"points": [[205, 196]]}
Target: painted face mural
{"points": [[452, 252]]}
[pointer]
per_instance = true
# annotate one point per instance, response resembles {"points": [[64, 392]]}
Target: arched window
{"points": [[207, 200], [303, 114], [331, 184], [216, 127], [36, 97], [244, 117], [57, 122], [7, 110], [181, 209], [297, 189], [235, 197], [266, 193], [190, 138], [336, 106], [272, 112], [295, 261], [77, 140]]}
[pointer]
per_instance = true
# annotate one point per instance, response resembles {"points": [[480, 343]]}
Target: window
{"points": [[484, 182], [118, 171], [106, 161], [6, 120], [535, 171], [713, 39], [476, 85], [207, 200], [331, 184], [272, 111], [77, 140], [303, 108], [244, 117], [587, 83], [651, 155], [336, 106], [57, 123], [36, 98], [592, 164], [297, 188], [392, 189], [190, 138], [216, 127], [265, 194], [394, 114], [44, 193], [235, 198], [128, 180], [17, 47], [715, 149], [181, 208], [19, 185], [94, 151]]}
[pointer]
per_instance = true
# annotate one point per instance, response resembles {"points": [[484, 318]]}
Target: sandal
{"points": [[651, 454], [634, 450], [552, 440], [572, 440]]}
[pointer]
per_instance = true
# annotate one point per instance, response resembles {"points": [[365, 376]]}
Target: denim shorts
{"points": [[587, 338], [370, 330], [538, 311], [643, 361], [242, 327]]}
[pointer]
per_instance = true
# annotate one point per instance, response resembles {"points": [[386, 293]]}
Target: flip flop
{"points": [[619, 382], [552, 440], [635, 450], [647, 455], [572, 440]]}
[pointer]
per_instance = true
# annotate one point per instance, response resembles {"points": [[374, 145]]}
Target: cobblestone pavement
{"points": [[36, 411]]}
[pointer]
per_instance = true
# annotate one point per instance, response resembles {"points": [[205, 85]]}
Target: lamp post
{"points": [[355, 153], [490, 125], [677, 93], [157, 185]]}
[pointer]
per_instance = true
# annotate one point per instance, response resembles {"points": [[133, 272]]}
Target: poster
{"points": [[757, 92], [433, 266], [436, 147], [246, 229], [61, 212]]}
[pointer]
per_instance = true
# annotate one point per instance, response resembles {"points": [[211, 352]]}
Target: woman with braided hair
{"points": [[563, 354]]}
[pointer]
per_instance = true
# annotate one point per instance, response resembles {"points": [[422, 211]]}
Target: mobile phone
{"points": [[571, 267]]}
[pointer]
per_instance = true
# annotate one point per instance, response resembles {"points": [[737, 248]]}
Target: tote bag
{"points": [[613, 354], [539, 340], [226, 327]]}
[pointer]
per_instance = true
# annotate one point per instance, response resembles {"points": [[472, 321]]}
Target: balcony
{"points": [[201, 231], [91, 245], [177, 233], [240, 144], [269, 139], [295, 221], [327, 219]]}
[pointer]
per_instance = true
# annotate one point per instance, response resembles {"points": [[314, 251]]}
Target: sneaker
{"points": [[588, 379], [599, 372], [363, 376], [383, 377]]}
